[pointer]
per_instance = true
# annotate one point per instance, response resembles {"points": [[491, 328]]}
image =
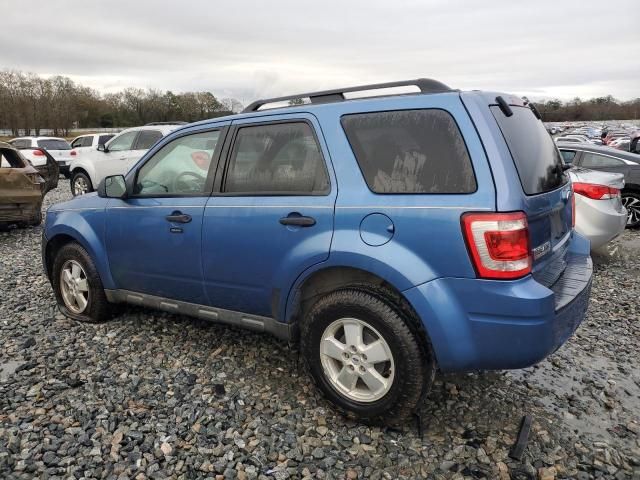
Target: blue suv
{"points": [[389, 235]]}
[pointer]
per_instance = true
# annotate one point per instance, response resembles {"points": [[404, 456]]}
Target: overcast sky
{"points": [[250, 48]]}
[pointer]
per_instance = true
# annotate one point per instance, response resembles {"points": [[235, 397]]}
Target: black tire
{"points": [[98, 308], [414, 362], [80, 176], [631, 201]]}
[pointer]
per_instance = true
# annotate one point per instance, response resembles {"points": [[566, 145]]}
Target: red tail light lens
{"points": [[595, 192], [38, 153], [73, 153], [498, 244]]}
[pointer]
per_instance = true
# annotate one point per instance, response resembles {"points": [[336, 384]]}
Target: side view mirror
{"points": [[113, 186], [102, 147]]}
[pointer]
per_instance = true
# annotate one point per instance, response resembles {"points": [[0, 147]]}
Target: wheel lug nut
{"points": [[352, 368], [353, 349], [362, 369], [364, 357]]}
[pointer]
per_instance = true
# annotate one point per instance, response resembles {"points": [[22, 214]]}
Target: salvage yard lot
{"points": [[153, 395]]}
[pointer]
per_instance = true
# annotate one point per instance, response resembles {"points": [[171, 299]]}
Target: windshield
{"points": [[534, 153], [53, 144]]}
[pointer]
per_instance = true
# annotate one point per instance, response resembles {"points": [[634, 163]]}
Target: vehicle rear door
{"points": [[546, 187], [603, 162], [272, 217]]}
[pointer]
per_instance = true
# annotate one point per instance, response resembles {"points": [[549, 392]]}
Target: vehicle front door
{"points": [[272, 217], [154, 236]]}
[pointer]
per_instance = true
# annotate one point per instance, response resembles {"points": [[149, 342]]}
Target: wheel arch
{"points": [[331, 278], [64, 234]]}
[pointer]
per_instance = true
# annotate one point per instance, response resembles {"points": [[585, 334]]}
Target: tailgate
{"points": [[546, 187]]}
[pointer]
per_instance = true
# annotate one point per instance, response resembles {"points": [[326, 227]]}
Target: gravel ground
{"points": [[153, 395]]}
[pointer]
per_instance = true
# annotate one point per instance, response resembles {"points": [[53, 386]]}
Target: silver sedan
{"points": [[600, 215]]}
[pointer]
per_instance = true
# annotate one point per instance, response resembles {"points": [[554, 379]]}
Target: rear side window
{"points": [[147, 139], [87, 141], [593, 160], [54, 144], [536, 157], [277, 159], [410, 151]]}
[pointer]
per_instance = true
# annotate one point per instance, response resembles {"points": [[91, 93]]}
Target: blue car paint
{"points": [[472, 323]]}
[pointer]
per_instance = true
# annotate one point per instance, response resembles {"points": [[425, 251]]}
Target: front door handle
{"points": [[298, 221], [178, 217]]}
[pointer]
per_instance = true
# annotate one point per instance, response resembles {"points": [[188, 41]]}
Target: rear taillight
{"points": [[73, 153], [595, 192], [498, 244], [38, 153]]}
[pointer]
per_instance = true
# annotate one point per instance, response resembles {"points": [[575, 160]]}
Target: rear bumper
{"points": [[599, 220], [478, 324]]}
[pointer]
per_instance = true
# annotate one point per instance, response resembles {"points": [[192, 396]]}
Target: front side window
{"points": [[410, 151], [593, 160], [77, 142], [147, 139], [280, 159], [122, 142], [180, 167]]}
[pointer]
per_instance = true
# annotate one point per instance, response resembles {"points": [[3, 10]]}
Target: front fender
{"points": [[87, 228], [85, 164]]}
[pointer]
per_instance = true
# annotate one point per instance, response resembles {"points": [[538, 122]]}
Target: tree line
{"points": [[30, 103], [601, 108]]}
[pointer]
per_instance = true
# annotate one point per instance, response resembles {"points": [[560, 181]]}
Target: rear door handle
{"points": [[178, 217], [298, 221]]}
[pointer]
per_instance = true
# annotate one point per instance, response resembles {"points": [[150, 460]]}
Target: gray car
{"points": [[609, 159]]}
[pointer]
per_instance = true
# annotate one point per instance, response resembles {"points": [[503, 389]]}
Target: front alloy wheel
{"points": [[74, 287], [80, 184]]}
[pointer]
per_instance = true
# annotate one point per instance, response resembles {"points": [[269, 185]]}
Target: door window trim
{"points": [[221, 176], [211, 173]]}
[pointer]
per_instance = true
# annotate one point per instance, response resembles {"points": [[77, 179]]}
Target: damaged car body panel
{"points": [[22, 186]]}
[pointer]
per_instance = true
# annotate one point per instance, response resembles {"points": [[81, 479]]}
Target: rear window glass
{"points": [[536, 157], [410, 151], [53, 144]]}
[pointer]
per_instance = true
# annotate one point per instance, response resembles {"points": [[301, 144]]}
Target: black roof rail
{"points": [[155, 124], [426, 85]]}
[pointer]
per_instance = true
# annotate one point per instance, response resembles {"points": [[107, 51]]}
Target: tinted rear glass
{"points": [[536, 157], [410, 151], [54, 145]]}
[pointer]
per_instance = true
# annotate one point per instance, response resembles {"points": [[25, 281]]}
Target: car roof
{"points": [[38, 138], [165, 129], [612, 152]]}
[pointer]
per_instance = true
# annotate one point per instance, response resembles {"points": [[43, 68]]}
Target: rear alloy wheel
{"points": [[362, 354], [631, 202], [80, 184]]}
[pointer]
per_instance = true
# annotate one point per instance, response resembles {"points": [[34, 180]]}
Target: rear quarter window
{"points": [[536, 157], [410, 151]]}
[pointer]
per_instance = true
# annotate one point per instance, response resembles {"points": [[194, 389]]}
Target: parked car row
{"points": [[619, 136]]}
